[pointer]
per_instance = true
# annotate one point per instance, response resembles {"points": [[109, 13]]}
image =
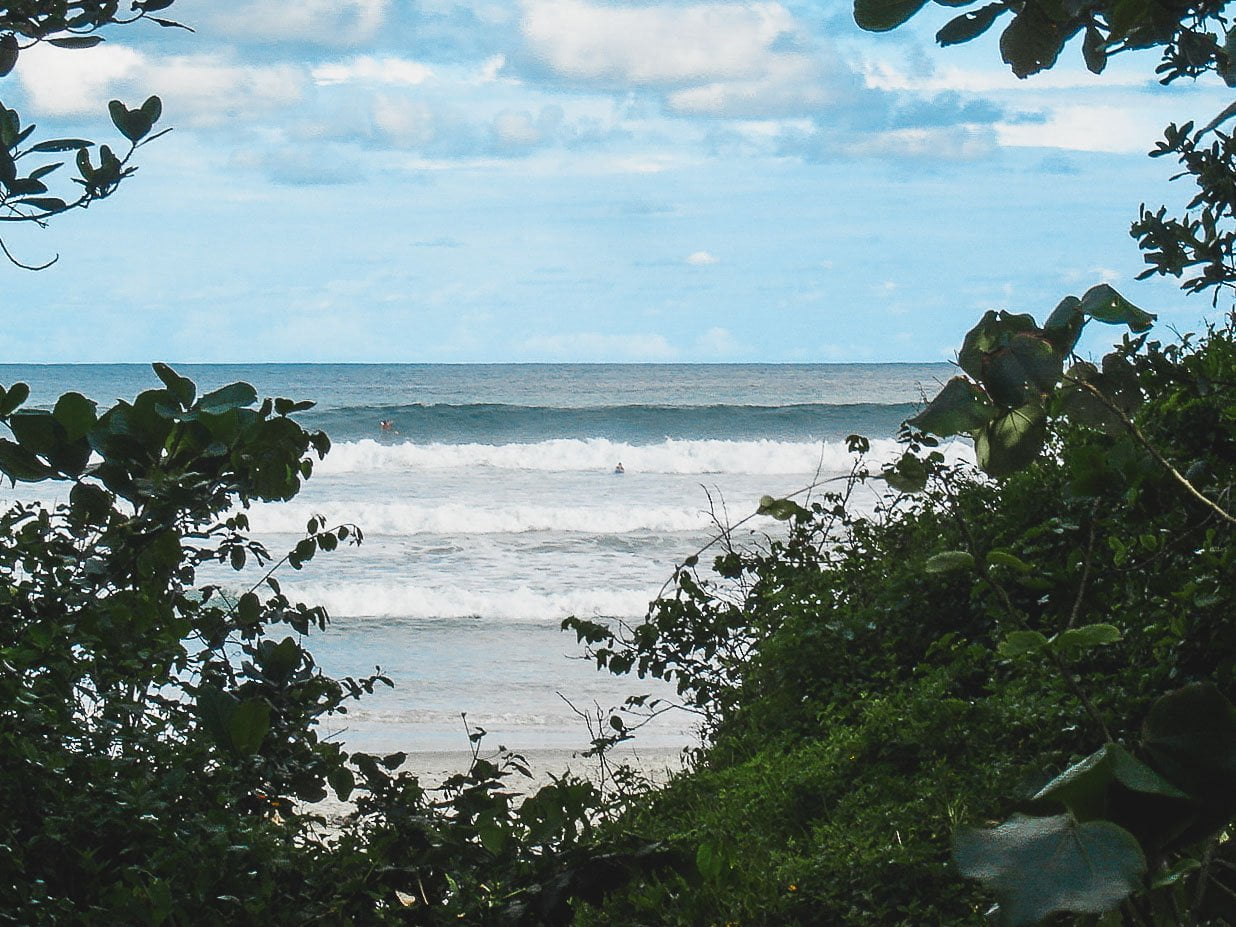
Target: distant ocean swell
{"points": [[398, 600], [670, 455], [499, 423], [407, 518]]}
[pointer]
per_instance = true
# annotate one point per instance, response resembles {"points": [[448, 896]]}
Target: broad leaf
{"points": [[1038, 866], [1012, 441], [1083, 787], [1063, 327], [1032, 42], [8, 53], [1018, 644], [883, 15], [226, 398], [970, 25], [181, 387], [1083, 638], [248, 726], [960, 408], [1190, 738], [1027, 364], [1106, 305], [949, 561], [76, 414], [992, 332]]}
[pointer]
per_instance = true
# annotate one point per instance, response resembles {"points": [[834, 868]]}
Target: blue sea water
{"points": [[491, 511]]}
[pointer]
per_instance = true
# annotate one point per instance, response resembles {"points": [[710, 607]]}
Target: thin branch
{"points": [[1152, 450], [8, 254]]}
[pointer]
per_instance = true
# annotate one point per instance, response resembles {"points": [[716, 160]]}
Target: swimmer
{"points": [[386, 425], [619, 468]]}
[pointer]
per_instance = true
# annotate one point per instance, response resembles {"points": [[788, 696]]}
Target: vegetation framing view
{"points": [[1006, 694]]}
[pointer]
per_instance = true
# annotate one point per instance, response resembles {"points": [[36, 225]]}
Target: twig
{"points": [[1152, 450]]}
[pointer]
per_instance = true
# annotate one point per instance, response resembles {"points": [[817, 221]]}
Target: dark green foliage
{"points": [[159, 737], [872, 685]]}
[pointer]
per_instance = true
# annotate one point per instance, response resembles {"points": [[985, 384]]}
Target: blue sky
{"points": [[577, 180]]}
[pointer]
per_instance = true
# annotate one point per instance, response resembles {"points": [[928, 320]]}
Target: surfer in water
{"points": [[619, 468], [387, 425]]}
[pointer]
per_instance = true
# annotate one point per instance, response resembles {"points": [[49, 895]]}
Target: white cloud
{"points": [[326, 22], [1120, 129], [404, 121], [717, 342], [64, 82], [373, 70], [654, 45], [594, 346], [702, 259], [197, 90], [491, 68], [789, 84]]}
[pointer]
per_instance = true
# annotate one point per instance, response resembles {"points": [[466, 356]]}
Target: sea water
{"points": [[491, 510]]}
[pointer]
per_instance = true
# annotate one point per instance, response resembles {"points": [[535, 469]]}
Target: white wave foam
{"points": [[448, 518], [600, 454], [390, 600]]}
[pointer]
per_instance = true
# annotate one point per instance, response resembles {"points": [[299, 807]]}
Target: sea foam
{"points": [[600, 454]]}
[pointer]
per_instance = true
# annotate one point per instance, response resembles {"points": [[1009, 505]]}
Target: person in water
{"points": [[619, 468], [386, 425]]}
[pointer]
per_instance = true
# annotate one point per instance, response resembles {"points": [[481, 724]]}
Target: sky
{"points": [[579, 180]]}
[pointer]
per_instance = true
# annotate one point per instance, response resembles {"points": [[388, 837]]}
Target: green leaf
{"points": [[216, 709], [342, 781], [249, 609], [1063, 327], [37, 430], [226, 398], [1106, 305], [62, 144], [181, 387], [133, 124], [883, 15], [992, 332], [1190, 738], [780, 509], [44, 203], [908, 474], [1024, 365], [248, 726], [1083, 787], [1003, 558], [1083, 638], [76, 414], [1012, 441], [1037, 866], [970, 25], [1017, 644], [8, 53], [152, 109], [1032, 41], [19, 465], [1094, 50], [949, 562], [960, 408], [76, 41], [13, 397]]}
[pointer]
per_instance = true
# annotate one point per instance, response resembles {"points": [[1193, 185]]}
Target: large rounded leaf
{"points": [[960, 408], [1011, 442], [883, 15], [1037, 866]]}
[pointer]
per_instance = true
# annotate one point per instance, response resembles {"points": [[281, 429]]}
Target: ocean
{"points": [[491, 511]]}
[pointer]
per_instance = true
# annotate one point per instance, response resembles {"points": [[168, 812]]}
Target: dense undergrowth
{"points": [[888, 693], [870, 688]]}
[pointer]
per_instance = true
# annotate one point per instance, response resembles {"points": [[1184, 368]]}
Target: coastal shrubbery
{"points": [[909, 678]]}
